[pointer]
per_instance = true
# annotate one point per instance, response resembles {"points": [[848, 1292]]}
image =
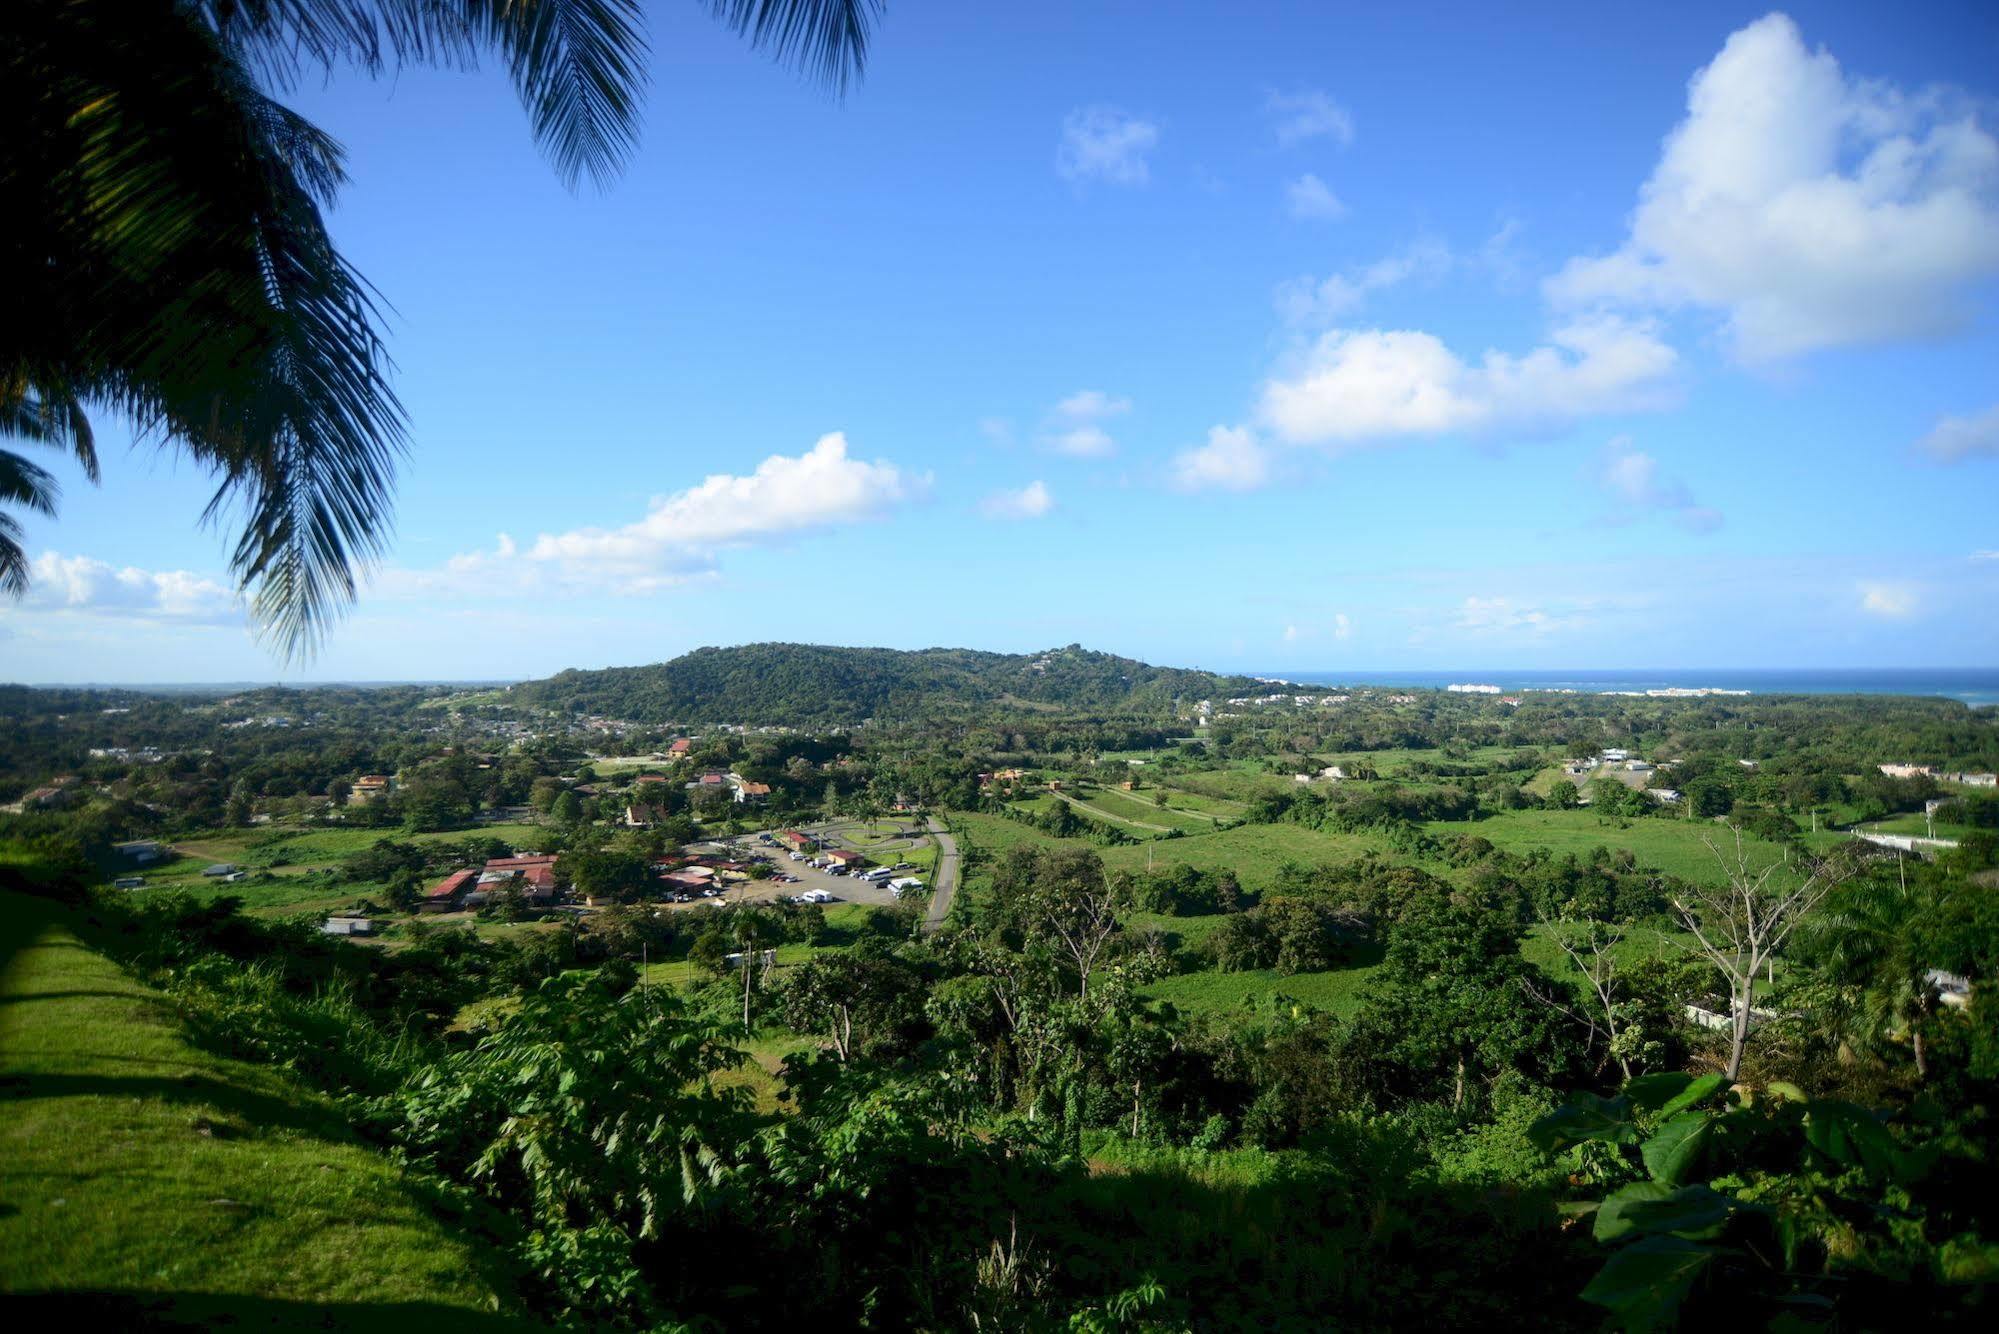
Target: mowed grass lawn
{"points": [[1670, 845], [1140, 808], [135, 1164]]}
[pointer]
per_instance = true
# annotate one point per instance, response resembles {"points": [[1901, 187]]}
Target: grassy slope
{"points": [[1669, 845], [133, 1163]]}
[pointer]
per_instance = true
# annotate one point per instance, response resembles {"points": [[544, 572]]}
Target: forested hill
{"points": [[808, 684]]}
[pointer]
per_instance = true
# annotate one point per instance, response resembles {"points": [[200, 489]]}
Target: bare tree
{"points": [[1602, 1014], [1742, 925], [1081, 915]]}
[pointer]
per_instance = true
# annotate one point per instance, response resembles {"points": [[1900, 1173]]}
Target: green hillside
{"points": [[158, 1184], [816, 684]]}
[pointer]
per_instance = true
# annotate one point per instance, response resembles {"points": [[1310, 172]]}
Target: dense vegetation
{"points": [[816, 685], [1200, 1046]]}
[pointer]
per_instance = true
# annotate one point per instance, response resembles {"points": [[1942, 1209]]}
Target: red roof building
{"points": [[444, 896]]}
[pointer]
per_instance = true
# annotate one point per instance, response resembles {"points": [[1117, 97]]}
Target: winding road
{"points": [[947, 875]]}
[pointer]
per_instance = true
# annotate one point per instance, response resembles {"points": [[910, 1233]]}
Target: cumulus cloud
{"points": [[1342, 627], [1954, 439], [1310, 114], [1310, 199], [1232, 460], [1314, 301], [681, 533], [1075, 425], [1290, 634], [1888, 600], [1357, 387], [1636, 487], [1030, 502], [1809, 208], [84, 584], [1103, 143]]}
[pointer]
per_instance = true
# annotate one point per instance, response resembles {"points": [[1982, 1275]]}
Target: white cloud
{"points": [[1083, 442], [1105, 144], [1355, 387], [1074, 425], [1985, 555], [1232, 460], [1500, 615], [1092, 405], [1632, 479], [1954, 439], [1810, 208], [681, 533], [1030, 502], [1309, 198], [1893, 601], [1290, 634], [1309, 115], [1327, 300], [84, 584], [1342, 627]]}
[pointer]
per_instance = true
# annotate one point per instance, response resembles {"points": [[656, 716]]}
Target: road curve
{"points": [[947, 875]]}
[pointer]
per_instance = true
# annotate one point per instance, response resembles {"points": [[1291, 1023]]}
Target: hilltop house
{"points": [[370, 788], [644, 814]]}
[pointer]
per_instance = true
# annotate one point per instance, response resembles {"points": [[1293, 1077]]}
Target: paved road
{"points": [[947, 876]]}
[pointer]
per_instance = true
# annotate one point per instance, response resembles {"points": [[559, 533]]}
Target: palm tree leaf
{"points": [[828, 39], [579, 65]]}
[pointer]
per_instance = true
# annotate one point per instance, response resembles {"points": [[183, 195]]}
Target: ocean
{"points": [[1974, 685]]}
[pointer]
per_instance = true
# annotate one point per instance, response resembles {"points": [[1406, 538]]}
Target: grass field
{"points": [[1140, 808], [145, 1171], [1253, 852], [1337, 992], [1913, 823], [1669, 845]]}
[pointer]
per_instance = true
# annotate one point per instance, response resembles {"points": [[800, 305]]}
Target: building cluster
{"points": [[1961, 778]]}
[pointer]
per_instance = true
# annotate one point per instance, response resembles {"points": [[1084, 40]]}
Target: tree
{"points": [[567, 809], [1605, 1012], [167, 256], [1883, 938], [1563, 795], [1742, 923], [863, 1001]]}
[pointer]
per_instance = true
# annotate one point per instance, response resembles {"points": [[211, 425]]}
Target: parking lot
{"points": [[843, 888]]}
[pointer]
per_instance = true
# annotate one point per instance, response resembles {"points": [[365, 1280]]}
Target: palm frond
{"points": [[21, 483], [50, 414], [827, 39], [26, 483], [579, 65]]}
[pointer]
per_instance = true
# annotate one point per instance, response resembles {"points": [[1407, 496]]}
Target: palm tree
{"points": [[166, 256], [1881, 938]]}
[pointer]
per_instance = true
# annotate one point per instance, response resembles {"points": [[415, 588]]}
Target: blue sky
{"points": [[1258, 336]]}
